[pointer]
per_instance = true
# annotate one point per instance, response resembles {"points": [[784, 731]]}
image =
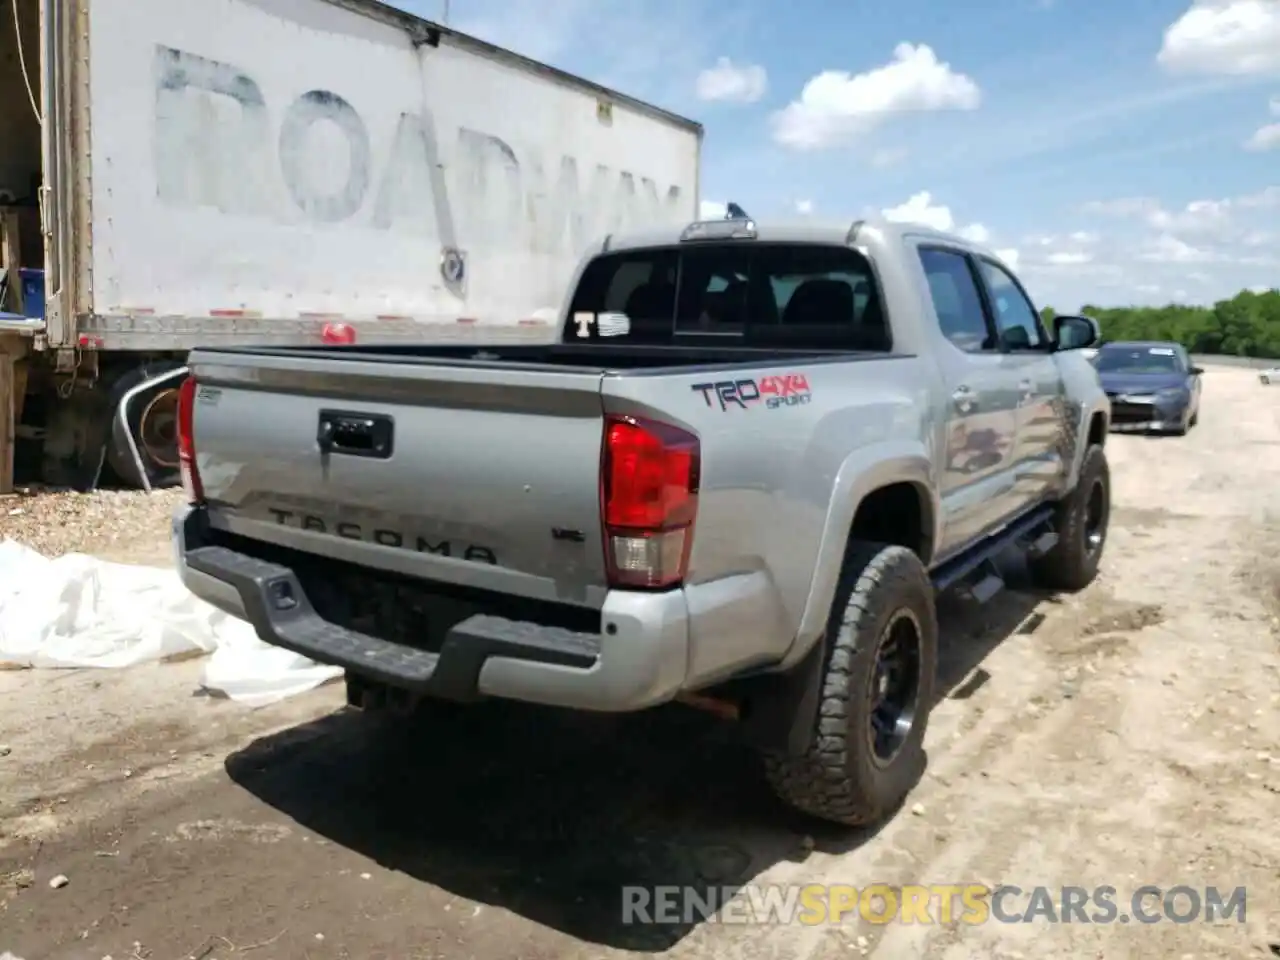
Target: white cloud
{"points": [[1152, 252], [836, 106], [1167, 248], [1230, 37], [887, 157], [920, 208], [1217, 219], [1266, 199], [804, 207], [1264, 138], [726, 82], [1068, 258], [1010, 256], [1123, 207], [1055, 253], [597, 38], [712, 210]]}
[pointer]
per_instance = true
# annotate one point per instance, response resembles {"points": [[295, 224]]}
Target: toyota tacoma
{"points": [[738, 478]]}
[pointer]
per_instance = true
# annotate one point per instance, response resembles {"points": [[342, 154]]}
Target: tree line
{"points": [[1247, 325]]}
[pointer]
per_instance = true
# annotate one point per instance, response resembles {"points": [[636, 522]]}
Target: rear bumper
{"points": [[640, 659]]}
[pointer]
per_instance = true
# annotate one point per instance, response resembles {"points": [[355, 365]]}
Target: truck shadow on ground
{"points": [[551, 815]]}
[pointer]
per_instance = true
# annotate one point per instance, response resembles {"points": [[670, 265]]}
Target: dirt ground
{"points": [[1125, 736]]}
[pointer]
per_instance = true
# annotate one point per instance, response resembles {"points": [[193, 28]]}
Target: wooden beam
{"points": [[8, 428], [10, 257]]}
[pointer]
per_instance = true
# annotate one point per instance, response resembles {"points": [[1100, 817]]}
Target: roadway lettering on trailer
{"points": [[214, 148]]}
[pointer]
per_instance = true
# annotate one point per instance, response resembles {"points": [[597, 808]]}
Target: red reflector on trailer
{"points": [[338, 333]]}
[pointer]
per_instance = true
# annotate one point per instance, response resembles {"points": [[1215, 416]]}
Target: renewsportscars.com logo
{"points": [[945, 903]]}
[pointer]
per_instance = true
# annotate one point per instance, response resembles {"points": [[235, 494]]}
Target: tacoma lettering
{"points": [[383, 537]]}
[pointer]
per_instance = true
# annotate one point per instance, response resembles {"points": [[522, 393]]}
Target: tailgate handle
{"points": [[354, 434]]}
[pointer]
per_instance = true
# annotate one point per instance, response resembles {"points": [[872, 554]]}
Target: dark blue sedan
{"points": [[1153, 386]]}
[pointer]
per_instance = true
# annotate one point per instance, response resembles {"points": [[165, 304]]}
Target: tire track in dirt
{"points": [[974, 823], [972, 743]]}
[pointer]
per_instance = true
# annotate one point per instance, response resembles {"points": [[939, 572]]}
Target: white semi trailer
{"points": [[183, 172]]}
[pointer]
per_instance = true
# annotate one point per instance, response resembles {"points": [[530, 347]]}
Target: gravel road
{"points": [[1125, 736]]}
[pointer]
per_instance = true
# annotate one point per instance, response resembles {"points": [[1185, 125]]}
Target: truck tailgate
{"points": [[467, 474]]}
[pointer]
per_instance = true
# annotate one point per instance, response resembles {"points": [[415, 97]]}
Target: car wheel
{"points": [[867, 749], [1081, 520]]}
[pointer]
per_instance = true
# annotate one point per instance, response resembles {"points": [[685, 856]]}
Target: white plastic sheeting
{"points": [[79, 611]]}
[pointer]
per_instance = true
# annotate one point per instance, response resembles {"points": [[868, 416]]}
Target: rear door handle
{"points": [[964, 399], [355, 434]]}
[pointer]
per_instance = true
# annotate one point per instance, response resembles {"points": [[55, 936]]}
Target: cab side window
{"points": [[1016, 319], [956, 300]]}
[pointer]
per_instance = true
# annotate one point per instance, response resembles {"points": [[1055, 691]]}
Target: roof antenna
{"points": [[734, 212]]}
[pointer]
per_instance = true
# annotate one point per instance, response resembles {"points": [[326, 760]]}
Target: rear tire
{"points": [[867, 751], [1081, 523]]}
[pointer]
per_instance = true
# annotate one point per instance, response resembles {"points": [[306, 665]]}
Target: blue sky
{"points": [[1119, 152]]}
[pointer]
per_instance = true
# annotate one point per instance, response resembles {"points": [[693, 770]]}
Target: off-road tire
{"points": [[838, 778], [1072, 564]]}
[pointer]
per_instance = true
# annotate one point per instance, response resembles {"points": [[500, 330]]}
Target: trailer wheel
{"points": [[153, 421]]}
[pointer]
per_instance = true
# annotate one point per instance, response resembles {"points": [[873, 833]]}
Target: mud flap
{"points": [[782, 708]]}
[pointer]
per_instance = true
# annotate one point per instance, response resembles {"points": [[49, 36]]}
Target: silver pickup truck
{"points": [[738, 479]]}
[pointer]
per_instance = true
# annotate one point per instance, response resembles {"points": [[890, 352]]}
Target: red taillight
{"points": [[186, 441], [338, 333], [649, 499]]}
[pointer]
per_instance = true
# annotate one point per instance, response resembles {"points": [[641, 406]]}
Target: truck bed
{"points": [[471, 467], [601, 357]]}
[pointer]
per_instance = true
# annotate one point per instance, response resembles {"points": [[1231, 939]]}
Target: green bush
{"points": [[1247, 325]]}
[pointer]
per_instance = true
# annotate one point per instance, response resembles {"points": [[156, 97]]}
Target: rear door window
{"points": [[1015, 315], [793, 295], [953, 289]]}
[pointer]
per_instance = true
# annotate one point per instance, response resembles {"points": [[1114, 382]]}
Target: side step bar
{"points": [[974, 571], [983, 584]]}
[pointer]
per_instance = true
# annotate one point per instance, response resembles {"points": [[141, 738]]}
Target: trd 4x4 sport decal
{"points": [[774, 392]]}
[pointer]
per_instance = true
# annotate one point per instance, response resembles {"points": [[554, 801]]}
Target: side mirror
{"points": [[1075, 333], [1196, 371]]}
